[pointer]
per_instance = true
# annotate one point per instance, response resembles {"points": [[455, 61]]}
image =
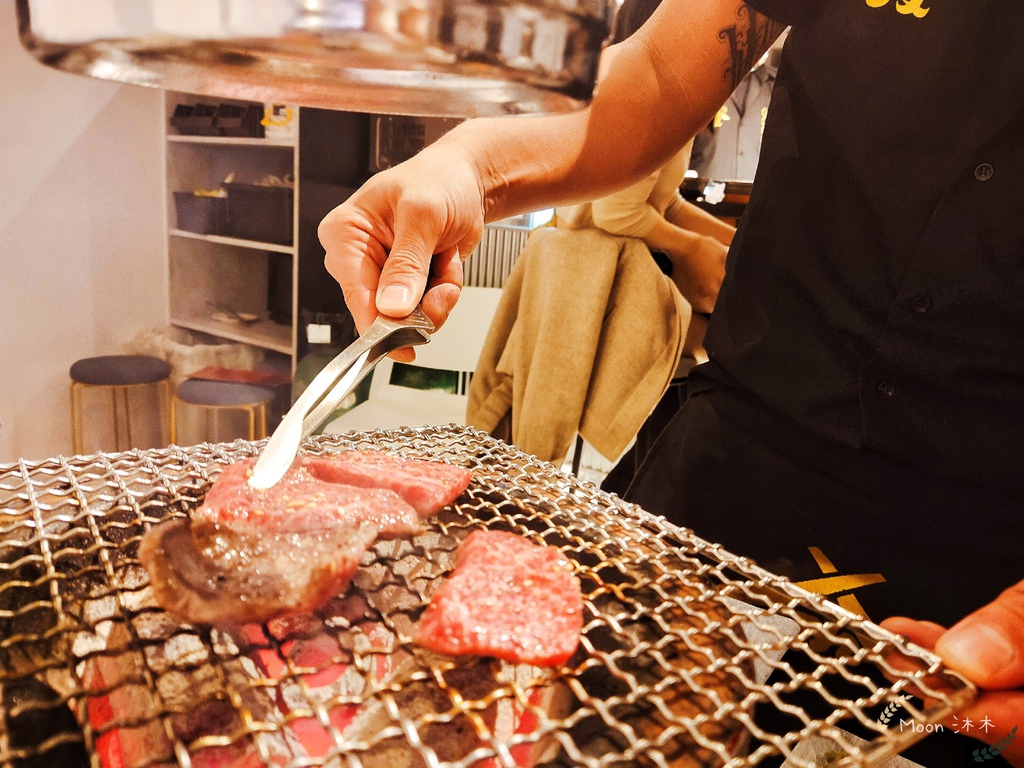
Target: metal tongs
{"points": [[332, 385]]}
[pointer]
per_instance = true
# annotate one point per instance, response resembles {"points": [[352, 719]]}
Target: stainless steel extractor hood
{"points": [[461, 58]]}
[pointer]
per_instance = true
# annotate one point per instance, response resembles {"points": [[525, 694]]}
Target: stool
{"points": [[217, 396], [119, 373]]}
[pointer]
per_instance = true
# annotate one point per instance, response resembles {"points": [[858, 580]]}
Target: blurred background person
{"points": [[689, 244], [728, 148]]}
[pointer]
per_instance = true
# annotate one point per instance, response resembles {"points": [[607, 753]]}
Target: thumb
{"points": [[988, 645], [403, 278]]}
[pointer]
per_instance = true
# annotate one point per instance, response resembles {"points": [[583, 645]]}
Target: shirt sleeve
{"points": [[628, 212], [784, 11], [674, 205]]}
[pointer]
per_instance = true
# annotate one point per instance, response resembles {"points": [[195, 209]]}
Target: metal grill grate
{"points": [[681, 663]]}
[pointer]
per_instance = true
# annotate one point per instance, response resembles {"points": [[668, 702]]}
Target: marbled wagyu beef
{"points": [[509, 598], [249, 556]]}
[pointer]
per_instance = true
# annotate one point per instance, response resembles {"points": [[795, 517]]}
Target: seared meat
{"points": [[209, 574], [508, 598], [250, 556]]}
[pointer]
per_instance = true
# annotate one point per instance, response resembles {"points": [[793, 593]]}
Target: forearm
{"points": [[675, 241], [526, 164], [397, 240], [689, 216], [530, 163], [698, 262]]}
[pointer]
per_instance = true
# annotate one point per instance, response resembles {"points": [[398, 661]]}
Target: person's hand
{"points": [[987, 647], [698, 274], [398, 240]]}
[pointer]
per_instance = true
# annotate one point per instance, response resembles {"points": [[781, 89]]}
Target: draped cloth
{"points": [[585, 339]]}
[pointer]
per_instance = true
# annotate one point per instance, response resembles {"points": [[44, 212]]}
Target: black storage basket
{"points": [[195, 120], [201, 214], [260, 213], [233, 120]]}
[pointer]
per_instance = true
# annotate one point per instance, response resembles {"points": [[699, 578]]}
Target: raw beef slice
{"points": [[508, 598], [426, 485], [302, 501]]}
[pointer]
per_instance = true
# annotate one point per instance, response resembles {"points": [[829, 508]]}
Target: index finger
{"points": [[355, 252], [403, 277]]}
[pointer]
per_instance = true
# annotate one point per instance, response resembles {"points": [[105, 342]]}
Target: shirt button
{"points": [[984, 172], [886, 389], [922, 304]]}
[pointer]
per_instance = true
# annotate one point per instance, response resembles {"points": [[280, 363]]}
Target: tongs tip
{"points": [[331, 386]]}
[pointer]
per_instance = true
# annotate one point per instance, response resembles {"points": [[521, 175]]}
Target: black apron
{"points": [[876, 537]]}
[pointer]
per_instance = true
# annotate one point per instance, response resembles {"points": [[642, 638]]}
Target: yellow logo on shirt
{"points": [[913, 8], [722, 117], [833, 585]]}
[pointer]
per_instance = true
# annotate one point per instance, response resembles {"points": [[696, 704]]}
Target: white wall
{"points": [[82, 235]]}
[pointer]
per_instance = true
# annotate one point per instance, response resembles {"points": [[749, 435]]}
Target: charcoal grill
{"points": [[690, 655]]}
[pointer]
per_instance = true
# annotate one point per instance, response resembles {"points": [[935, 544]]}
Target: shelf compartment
{"points": [[234, 241], [264, 334], [204, 270], [206, 165], [236, 141]]}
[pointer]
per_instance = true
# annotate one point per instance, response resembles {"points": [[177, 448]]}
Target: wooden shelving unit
{"points": [[218, 268]]}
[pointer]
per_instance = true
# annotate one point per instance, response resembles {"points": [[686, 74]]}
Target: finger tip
{"points": [[438, 303], [395, 300], [450, 297], [922, 633], [893, 623], [905, 627], [980, 651]]}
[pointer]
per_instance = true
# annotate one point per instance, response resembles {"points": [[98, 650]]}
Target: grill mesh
{"points": [[681, 662]]}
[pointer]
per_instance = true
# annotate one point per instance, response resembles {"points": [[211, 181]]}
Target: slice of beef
{"points": [[250, 555], [426, 485], [304, 501], [210, 574], [508, 598]]}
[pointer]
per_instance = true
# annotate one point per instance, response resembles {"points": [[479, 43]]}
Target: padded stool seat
{"points": [[225, 395], [120, 373], [120, 370]]}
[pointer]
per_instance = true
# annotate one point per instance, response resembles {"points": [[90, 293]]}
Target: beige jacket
{"points": [[634, 210], [585, 339]]}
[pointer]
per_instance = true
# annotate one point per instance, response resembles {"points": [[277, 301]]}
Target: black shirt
{"points": [[874, 293]]}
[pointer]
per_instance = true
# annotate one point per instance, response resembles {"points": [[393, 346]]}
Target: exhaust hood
{"points": [[452, 58]]}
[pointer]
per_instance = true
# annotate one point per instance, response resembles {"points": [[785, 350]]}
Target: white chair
{"points": [[455, 347], [586, 463]]}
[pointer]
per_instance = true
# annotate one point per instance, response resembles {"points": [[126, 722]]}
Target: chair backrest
{"points": [[455, 347], [492, 260], [412, 398]]}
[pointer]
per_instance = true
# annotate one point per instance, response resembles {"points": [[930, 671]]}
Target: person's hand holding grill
{"points": [[988, 648], [398, 239]]}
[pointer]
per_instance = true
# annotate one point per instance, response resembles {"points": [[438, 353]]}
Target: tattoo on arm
{"points": [[751, 35]]}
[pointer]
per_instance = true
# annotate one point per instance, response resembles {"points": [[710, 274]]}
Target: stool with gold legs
{"points": [[215, 397], [120, 374]]}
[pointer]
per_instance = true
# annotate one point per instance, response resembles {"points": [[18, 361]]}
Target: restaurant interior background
{"points": [[84, 224], [84, 220]]}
